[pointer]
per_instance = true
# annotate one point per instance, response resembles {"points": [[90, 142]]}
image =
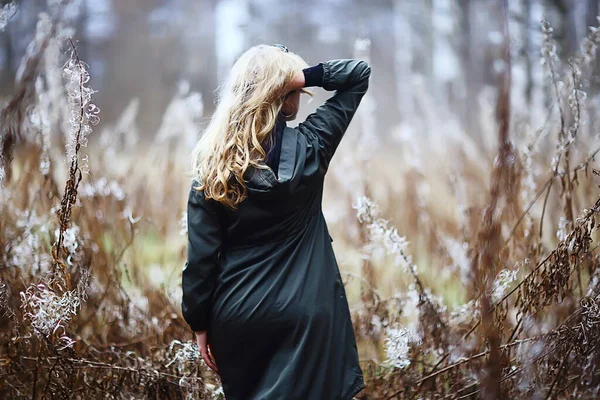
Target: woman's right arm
{"points": [[327, 125], [199, 272]]}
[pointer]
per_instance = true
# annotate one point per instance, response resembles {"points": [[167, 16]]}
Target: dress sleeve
{"points": [[327, 125], [199, 271]]}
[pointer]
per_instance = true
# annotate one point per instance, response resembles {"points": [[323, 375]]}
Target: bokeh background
{"points": [[465, 181], [447, 50]]}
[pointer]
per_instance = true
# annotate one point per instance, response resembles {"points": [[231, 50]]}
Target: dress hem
{"points": [[356, 388]]}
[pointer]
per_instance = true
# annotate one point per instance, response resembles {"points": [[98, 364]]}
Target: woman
{"points": [[261, 286]]}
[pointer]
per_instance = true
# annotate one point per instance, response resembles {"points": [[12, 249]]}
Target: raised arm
{"points": [[327, 125], [199, 272]]}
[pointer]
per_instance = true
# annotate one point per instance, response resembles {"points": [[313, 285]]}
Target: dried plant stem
{"points": [[545, 204], [545, 186], [474, 357], [584, 220], [70, 194], [13, 115], [376, 297], [50, 377], [83, 363], [488, 239], [366, 267], [562, 133], [559, 372], [569, 319], [507, 377]]}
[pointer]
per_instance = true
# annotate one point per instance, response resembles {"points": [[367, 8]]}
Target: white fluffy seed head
{"points": [[397, 344]]}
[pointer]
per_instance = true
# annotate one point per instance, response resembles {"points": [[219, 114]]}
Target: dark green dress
{"points": [[263, 279]]}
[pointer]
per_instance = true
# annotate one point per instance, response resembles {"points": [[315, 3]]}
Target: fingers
{"points": [[205, 350], [208, 359], [296, 83], [212, 358]]}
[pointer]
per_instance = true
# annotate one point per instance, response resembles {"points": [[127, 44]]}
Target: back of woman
{"points": [[261, 286]]}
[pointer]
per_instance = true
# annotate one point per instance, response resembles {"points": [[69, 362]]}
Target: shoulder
{"points": [[197, 198], [308, 163], [195, 191]]}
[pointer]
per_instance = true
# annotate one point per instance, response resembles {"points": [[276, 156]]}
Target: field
{"points": [[471, 265]]}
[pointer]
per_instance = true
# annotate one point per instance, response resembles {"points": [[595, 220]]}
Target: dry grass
{"points": [[495, 296]]}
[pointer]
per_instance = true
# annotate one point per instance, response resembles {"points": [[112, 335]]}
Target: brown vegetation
{"points": [[498, 307]]}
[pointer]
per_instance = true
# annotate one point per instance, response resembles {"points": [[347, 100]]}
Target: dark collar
{"points": [[263, 179], [274, 145]]}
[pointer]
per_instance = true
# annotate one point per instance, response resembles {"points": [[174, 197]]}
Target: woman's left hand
{"points": [[205, 350], [296, 83]]}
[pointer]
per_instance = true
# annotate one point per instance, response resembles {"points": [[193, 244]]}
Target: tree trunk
{"points": [[527, 49], [591, 20], [470, 109], [404, 59]]}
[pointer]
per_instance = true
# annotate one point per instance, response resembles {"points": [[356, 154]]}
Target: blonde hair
{"points": [[249, 103]]}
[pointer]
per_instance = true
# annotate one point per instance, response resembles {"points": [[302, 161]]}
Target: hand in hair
{"points": [[296, 83]]}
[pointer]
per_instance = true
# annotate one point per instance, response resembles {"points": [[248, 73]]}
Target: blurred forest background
{"points": [[462, 202], [449, 49]]}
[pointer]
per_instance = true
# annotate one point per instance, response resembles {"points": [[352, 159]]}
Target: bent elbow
{"points": [[366, 72]]}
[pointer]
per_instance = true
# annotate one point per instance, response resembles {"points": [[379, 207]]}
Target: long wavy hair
{"points": [[249, 102]]}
